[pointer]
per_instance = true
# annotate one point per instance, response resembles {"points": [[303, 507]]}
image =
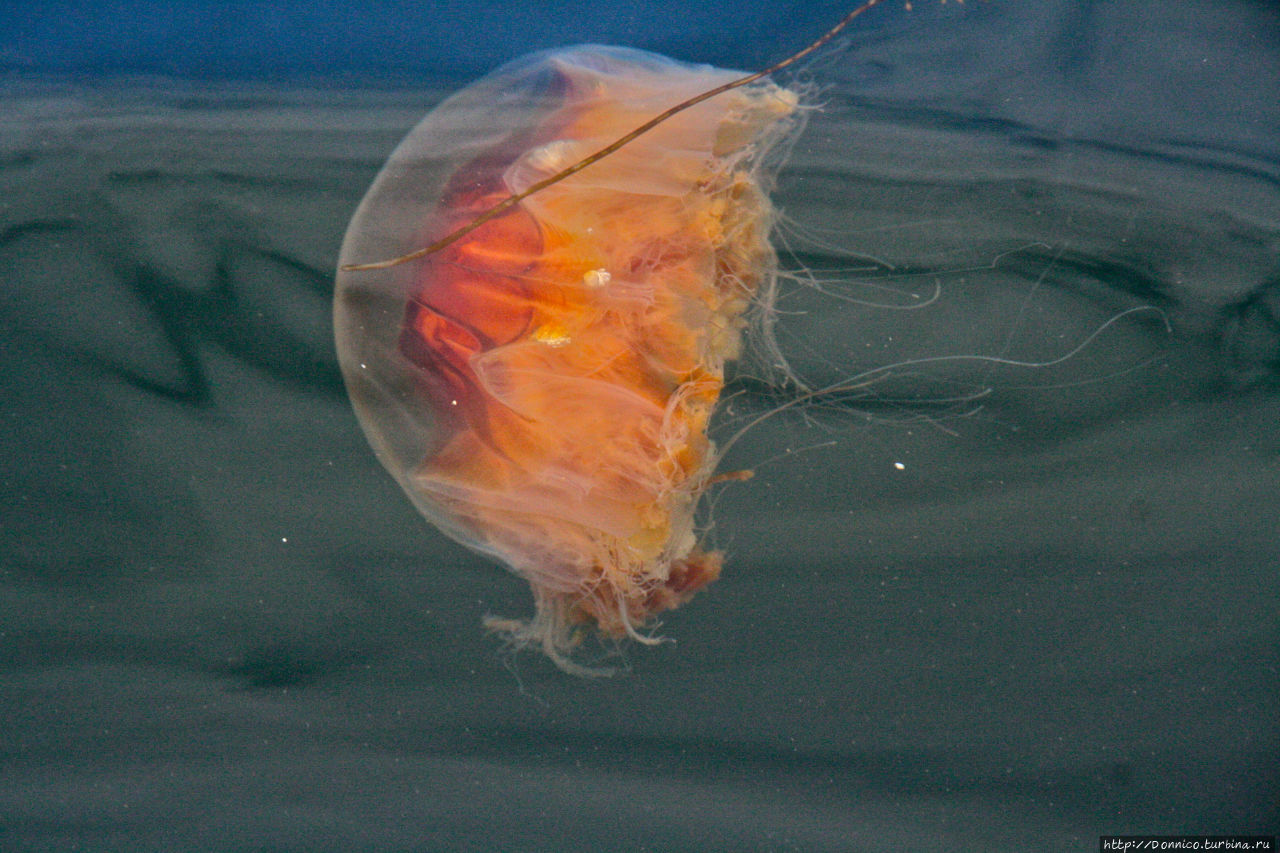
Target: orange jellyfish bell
{"points": [[542, 386]]}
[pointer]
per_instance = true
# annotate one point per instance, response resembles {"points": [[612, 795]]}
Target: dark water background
{"points": [[223, 627]]}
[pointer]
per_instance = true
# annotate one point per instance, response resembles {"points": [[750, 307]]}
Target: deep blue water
{"points": [[223, 627], [251, 40]]}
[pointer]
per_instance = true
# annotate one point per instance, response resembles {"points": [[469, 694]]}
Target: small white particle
{"points": [[553, 156], [900, 466]]}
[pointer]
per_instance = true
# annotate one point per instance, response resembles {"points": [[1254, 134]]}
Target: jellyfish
{"points": [[542, 381]]}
